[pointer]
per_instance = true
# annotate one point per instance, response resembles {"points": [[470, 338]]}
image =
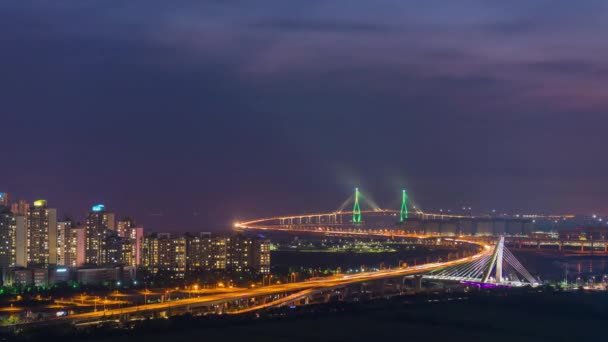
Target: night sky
{"points": [[189, 115]]}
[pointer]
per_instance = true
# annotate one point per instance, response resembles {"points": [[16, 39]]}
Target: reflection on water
{"points": [[549, 268]]}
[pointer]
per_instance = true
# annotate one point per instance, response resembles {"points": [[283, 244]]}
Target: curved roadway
{"points": [[325, 283]]}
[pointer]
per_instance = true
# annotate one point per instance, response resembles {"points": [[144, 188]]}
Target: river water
{"points": [[546, 268], [556, 268]]}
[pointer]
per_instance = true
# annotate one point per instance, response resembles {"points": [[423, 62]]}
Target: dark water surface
{"points": [[557, 268], [546, 267]]}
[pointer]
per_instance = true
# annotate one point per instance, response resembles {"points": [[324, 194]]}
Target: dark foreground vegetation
{"points": [[498, 315]]}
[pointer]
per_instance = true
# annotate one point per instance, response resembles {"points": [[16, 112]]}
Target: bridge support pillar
{"points": [[343, 293], [582, 246], [561, 245], [381, 286], [418, 282]]}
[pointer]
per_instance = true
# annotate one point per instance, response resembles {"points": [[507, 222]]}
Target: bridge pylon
{"points": [[403, 214], [356, 208], [496, 262]]}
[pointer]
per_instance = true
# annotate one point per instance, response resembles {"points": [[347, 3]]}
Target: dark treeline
{"points": [[503, 314]]}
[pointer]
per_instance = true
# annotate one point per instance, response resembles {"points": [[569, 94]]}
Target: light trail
{"points": [[303, 286]]}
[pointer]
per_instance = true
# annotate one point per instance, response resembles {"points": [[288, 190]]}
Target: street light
{"points": [[146, 297], [269, 276]]}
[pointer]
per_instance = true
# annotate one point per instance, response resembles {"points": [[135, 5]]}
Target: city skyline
{"points": [[315, 170], [194, 116]]}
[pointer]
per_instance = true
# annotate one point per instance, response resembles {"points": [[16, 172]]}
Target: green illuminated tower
{"points": [[356, 208], [403, 214]]}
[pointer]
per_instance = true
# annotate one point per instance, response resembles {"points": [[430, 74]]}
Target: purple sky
{"points": [[188, 115]]}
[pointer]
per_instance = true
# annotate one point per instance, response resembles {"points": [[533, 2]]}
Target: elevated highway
{"points": [[297, 289]]}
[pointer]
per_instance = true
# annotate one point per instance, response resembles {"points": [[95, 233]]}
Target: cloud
{"points": [[580, 67], [328, 26]]}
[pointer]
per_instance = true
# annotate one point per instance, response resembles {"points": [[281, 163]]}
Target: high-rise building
{"points": [[162, 252], [261, 256], [5, 199], [112, 249], [173, 256], [75, 249], [238, 253], [135, 236], [179, 250], [126, 228], [97, 222], [21, 238], [20, 208], [247, 254], [198, 252], [8, 230], [127, 258], [64, 229], [165, 258], [41, 235], [149, 253], [122, 226], [218, 253]]}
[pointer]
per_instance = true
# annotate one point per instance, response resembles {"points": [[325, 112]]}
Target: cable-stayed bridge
{"points": [[500, 267]]}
